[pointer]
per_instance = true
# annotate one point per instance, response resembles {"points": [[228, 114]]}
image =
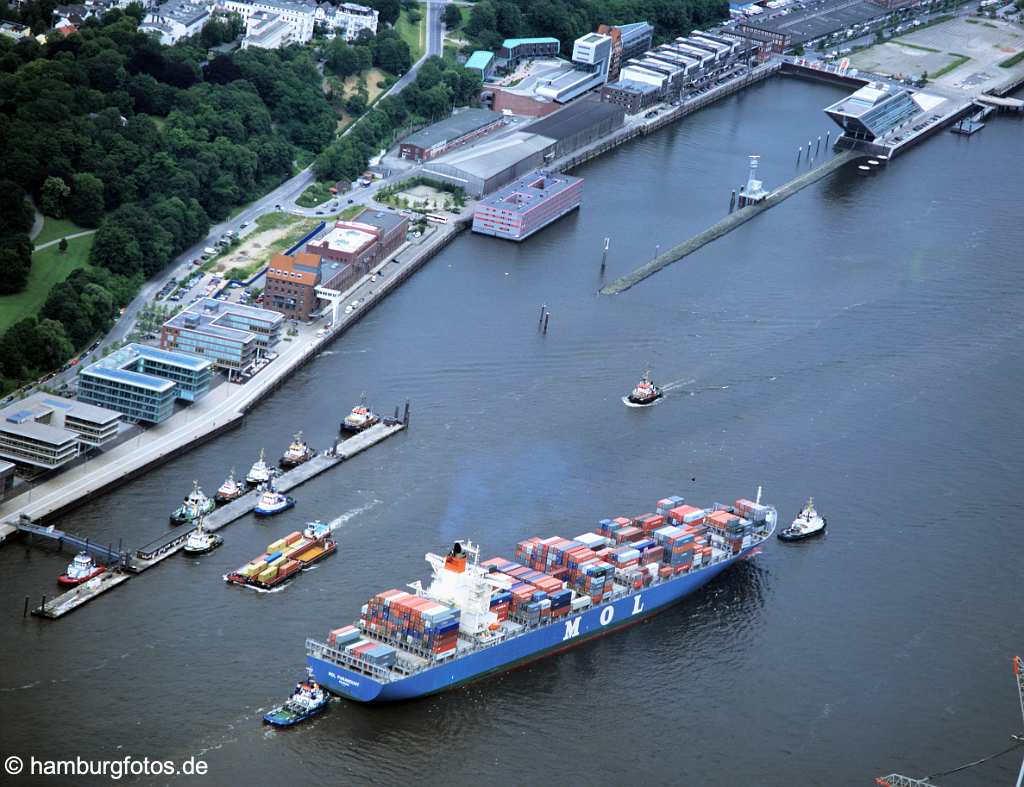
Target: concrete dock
{"points": [[729, 223], [80, 595]]}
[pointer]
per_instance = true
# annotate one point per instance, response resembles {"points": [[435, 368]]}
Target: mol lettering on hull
{"points": [[531, 644]]}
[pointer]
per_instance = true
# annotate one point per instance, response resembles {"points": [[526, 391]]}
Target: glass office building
{"points": [[45, 431], [230, 335], [873, 111], [143, 382]]}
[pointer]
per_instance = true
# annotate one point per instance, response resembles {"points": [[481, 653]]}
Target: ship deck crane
{"points": [[898, 780]]}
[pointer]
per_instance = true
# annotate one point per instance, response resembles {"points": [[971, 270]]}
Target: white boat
{"points": [[297, 453], [81, 569], [200, 541], [644, 392], [259, 473], [272, 502], [808, 523], [316, 529], [229, 490], [194, 506], [361, 417]]}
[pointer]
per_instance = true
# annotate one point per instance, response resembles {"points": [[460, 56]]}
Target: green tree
{"points": [[85, 205], [14, 268], [342, 58], [388, 10], [16, 214], [51, 345], [355, 105], [52, 196], [452, 17], [63, 246]]}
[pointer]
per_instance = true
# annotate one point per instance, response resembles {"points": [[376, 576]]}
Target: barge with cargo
{"points": [[285, 558], [477, 618]]}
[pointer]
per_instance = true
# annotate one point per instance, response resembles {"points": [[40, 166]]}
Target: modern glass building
{"points": [[143, 382], [230, 335], [873, 111], [45, 431], [140, 397]]}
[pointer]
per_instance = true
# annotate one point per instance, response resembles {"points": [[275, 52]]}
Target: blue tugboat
{"points": [[272, 502], [306, 701]]}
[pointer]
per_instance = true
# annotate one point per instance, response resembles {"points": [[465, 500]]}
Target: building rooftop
{"points": [[480, 59], [130, 353], [41, 433], [138, 379], [632, 86], [574, 117], [510, 43], [206, 316], [347, 238], [183, 11], [529, 191], [302, 268], [451, 128], [489, 158], [856, 104], [381, 219], [635, 27], [301, 6]]}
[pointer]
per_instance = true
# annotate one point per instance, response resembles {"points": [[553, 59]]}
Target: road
{"points": [[435, 35]]}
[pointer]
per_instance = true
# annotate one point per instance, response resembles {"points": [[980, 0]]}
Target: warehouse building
{"points": [[578, 124], [490, 165], [453, 131], [44, 431], [142, 383]]}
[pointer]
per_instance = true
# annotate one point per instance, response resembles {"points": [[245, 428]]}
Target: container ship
{"points": [[285, 557], [482, 617]]}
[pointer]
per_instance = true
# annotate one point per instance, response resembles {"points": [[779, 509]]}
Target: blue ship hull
{"points": [[537, 643]]}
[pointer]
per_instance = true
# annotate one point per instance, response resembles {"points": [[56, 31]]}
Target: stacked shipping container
{"points": [[420, 623]]}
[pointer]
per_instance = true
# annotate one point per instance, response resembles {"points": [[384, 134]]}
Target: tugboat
{"points": [[200, 541], [81, 569], [316, 530], [645, 392], [297, 453], [809, 523], [306, 701], [361, 417], [194, 506], [229, 490], [272, 502], [259, 473]]}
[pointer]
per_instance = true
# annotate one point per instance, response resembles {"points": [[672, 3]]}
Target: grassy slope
{"points": [[412, 34], [55, 229], [49, 267]]}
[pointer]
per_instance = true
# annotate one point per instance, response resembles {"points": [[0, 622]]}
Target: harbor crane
{"points": [[898, 780]]}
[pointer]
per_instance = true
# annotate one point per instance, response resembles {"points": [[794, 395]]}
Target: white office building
{"points": [[176, 20], [297, 15]]}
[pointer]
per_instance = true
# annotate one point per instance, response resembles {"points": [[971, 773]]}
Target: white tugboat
{"points": [[644, 393], [229, 490], [272, 502], [81, 569], [194, 506], [259, 473], [297, 453], [361, 417], [200, 541], [808, 523]]}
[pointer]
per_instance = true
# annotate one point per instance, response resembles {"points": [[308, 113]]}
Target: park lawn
{"points": [[412, 33], [271, 221], [49, 267], [372, 76], [315, 194], [55, 229], [958, 61], [351, 212]]}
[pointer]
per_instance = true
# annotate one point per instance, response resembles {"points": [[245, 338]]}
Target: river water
{"points": [[860, 343]]}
